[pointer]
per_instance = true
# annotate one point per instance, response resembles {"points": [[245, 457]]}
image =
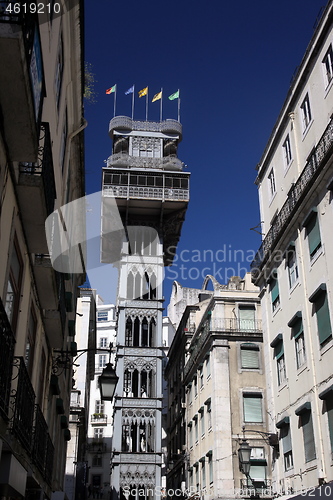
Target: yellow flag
{"points": [[143, 92], [157, 97]]}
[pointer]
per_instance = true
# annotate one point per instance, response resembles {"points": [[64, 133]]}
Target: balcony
{"points": [[125, 123], [36, 182], [171, 162], [99, 419], [55, 317], [7, 343], [314, 166], [242, 327], [139, 192], [21, 80]]}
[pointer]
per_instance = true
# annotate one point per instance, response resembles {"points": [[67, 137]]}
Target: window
{"points": [[327, 397], [287, 151], [103, 342], [209, 413], [14, 285], [328, 65], [258, 466], [280, 361], [208, 373], [305, 415], [202, 420], [297, 333], [246, 316], [275, 294], [249, 356], [210, 467], [203, 473], [311, 225], [99, 406], [190, 395], [102, 361], [102, 316], [320, 302], [201, 377], [97, 460], [285, 437], [252, 407], [196, 428], [306, 112], [271, 184], [98, 433], [292, 267], [30, 344], [196, 466], [190, 435], [195, 387], [59, 71]]}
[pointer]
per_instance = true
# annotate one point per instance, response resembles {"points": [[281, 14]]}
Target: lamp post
{"points": [[244, 454], [107, 382]]}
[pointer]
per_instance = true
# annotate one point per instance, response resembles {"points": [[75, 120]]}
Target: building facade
{"points": [[41, 167], [216, 382], [146, 179], [294, 271], [100, 429]]}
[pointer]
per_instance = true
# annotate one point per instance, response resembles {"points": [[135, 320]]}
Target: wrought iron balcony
{"points": [[21, 104], [99, 418], [142, 192], [314, 165], [40, 440], [126, 123], [36, 182], [171, 162], [23, 406], [7, 343]]}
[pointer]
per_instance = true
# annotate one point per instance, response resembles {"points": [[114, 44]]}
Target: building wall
{"points": [[296, 392]]}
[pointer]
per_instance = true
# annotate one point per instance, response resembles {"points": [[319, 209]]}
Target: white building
{"points": [[100, 426], [294, 270]]}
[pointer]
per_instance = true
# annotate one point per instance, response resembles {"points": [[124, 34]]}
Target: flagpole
{"points": [[147, 105], [114, 102], [178, 106], [161, 104], [133, 102]]}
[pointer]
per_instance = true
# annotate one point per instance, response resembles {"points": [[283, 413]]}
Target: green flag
{"points": [[174, 96]]}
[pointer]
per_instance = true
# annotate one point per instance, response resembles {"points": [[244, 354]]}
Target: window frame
{"points": [[249, 347], [271, 183], [327, 63], [306, 113], [287, 151], [247, 396]]}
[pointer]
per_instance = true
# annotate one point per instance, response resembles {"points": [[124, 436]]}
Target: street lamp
{"points": [[107, 382], [244, 454]]}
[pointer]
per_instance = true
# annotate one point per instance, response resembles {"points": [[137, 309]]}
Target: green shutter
{"points": [[297, 328], [258, 472], [246, 317], [252, 408], [250, 356], [285, 435], [279, 350], [313, 232], [323, 318], [308, 437], [274, 290], [329, 410]]}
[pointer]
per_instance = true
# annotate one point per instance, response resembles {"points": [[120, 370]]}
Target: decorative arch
{"points": [[210, 278]]}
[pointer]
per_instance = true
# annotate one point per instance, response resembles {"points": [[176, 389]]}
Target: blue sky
{"points": [[233, 63]]}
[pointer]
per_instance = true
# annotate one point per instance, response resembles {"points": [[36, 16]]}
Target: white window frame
{"points": [[287, 151], [271, 184], [306, 112], [300, 351], [328, 66], [281, 370], [292, 268]]}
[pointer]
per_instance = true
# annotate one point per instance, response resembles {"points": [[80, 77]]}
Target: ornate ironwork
{"points": [[24, 406], [40, 438], [43, 167], [313, 167], [171, 162], [7, 343], [49, 460], [146, 192], [167, 126]]}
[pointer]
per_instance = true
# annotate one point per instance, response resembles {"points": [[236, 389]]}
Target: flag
{"points": [[130, 90], [157, 96], [111, 90], [174, 96], [143, 92]]}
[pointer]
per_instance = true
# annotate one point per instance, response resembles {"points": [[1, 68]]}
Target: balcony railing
{"points": [[313, 167], [7, 342], [43, 167], [124, 160], [24, 406], [126, 123], [40, 440], [141, 192], [99, 418]]}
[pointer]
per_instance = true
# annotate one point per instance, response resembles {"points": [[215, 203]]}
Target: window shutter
{"points": [[313, 233], [329, 410], [274, 290], [297, 328], [308, 437], [252, 408], [258, 472], [278, 350], [323, 318], [286, 438], [246, 317], [250, 356]]}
